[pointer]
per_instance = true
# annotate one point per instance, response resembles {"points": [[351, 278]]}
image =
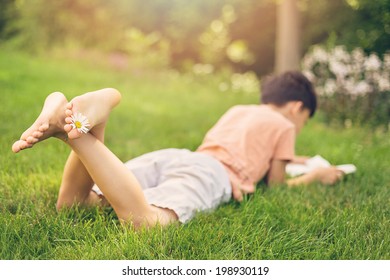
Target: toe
{"points": [[68, 128], [16, 146], [20, 145], [37, 134], [25, 134], [24, 145], [43, 127], [31, 140], [74, 134], [68, 113], [68, 120]]}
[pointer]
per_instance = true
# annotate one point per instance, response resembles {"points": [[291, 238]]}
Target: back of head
{"points": [[286, 87]]}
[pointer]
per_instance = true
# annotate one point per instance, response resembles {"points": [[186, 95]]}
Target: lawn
{"points": [[350, 220]]}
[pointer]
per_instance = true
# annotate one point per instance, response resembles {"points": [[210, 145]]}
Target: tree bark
{"points": [[288, 37]]}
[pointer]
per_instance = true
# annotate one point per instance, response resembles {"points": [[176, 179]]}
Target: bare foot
{"points": [[50, 122], [95, 107]]}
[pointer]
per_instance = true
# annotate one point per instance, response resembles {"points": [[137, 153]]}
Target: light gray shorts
{"points": [[183, 181]]}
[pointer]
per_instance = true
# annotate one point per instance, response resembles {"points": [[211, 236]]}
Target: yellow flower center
{"points": [[78, 124]]}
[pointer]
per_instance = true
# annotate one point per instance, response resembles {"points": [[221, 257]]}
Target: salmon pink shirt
{"points": [[246, 139]]}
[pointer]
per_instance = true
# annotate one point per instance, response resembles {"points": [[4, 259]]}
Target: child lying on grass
{"points": [[249, 143]]}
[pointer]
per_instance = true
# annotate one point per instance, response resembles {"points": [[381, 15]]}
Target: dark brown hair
{"points": [[286, 87]]}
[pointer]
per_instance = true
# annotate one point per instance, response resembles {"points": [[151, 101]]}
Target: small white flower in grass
{"points": [[80, 122]]}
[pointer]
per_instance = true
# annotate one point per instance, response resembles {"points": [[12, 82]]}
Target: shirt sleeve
{"points": [[285, 147]]}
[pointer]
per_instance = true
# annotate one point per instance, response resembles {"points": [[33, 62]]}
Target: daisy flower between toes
{"points": [[80, 122]]}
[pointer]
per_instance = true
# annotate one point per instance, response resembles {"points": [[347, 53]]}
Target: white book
{"points": [[296, 169]]}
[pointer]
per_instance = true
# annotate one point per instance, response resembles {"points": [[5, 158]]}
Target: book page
{"points": [[296, 169]]}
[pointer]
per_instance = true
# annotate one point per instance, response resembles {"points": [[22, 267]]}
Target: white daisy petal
{"points": [[80, 122]]}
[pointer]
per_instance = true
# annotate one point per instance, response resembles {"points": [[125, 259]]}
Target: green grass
{"points": [[348, 221]]}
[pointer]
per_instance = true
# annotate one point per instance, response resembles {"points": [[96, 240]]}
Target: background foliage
{"points": [[353, 88], [176, 28]]}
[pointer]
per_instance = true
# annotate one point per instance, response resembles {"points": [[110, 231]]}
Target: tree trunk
{"points": [[288, 39]]}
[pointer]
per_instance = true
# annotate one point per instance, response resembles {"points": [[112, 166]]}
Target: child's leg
{"points": [[76, 182], [76, 186], [119, 185]]}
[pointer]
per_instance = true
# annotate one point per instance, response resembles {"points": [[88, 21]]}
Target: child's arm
{"points": [[277, 172], [300, 159], [325, 175]]}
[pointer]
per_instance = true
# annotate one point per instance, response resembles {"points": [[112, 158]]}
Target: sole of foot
{"points": [[50, 122], [95, 106]]}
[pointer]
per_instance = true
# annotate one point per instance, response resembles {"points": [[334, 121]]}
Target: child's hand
{"points": [[328, 175], [237, 194]]}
